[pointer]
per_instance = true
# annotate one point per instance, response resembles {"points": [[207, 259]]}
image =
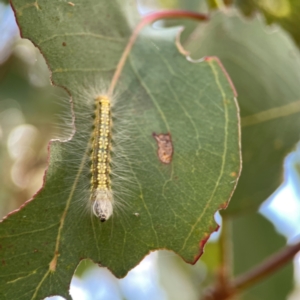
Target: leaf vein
{"points": [[87, 34]]}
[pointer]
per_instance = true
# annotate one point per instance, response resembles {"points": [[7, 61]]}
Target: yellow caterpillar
{"points": [[101, 193]]}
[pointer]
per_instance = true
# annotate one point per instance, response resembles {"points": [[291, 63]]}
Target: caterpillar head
{"points": [[103, 205]]}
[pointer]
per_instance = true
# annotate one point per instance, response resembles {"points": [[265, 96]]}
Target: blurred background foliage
{"points": [[263, 62]]}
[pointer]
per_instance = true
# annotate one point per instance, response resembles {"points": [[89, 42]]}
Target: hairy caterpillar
{"points": [[108, 149], [106, 132], [101, 194]]}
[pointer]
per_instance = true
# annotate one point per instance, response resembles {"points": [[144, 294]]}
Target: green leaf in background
{"points": [[254, 239], [177, 4], [265, 70], [199, 6], [166, 206], [283, 12]]}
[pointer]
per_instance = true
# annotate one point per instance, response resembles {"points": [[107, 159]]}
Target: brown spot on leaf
{"points": [[64, 44], [165, 147]]}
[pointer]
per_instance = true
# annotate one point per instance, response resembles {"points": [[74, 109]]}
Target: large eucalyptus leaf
{"points": [[265, 68], [283, 12], [163, 205]]}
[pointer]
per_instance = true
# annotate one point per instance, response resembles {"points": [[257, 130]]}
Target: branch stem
{"points": [[267, 267], [249, 278], [226, 249]]}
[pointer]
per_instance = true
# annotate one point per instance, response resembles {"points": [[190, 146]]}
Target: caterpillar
{"points": [[101, 193], [106, 150]]}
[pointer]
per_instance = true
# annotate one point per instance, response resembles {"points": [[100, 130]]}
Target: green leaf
{"points": [[165, 205], [179, 4], [286, 13], [255, 239], [265, 70], [199, 6]]}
